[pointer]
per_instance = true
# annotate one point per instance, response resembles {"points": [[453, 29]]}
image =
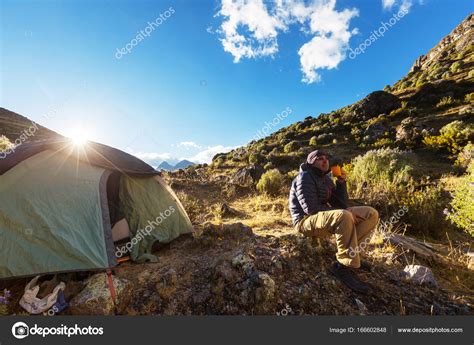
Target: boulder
{"points": [[95, 298], [418, 274], [375, 131], [247, 176], [410, 133], [375, 103]]}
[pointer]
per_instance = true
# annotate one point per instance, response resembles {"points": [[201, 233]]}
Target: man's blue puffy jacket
{"points": [[313, 191]]}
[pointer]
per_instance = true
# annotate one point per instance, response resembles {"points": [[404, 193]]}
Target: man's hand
{"points": [[343, 175]]}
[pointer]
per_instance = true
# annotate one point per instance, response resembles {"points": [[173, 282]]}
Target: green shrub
{"points": [[313, 141], [462, 205], [4, 143], [218, 162], [469, 98], [268, 166], [456, 67], [325, 138], [382, 142], [446, 75], [398, 112], [254, 158], [445, 101], [465, 156], [290, 147], [471, 74], [271, 182], [381, 177], [454, 136], [404, 85], [292, 174], [420, 83], [425, 210]]}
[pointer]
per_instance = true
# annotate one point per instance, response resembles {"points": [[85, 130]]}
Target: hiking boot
{"points": [[349, 277]]}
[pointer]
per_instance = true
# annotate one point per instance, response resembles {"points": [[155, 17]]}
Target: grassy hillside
{"points": [[404, 147], [12, 125]]}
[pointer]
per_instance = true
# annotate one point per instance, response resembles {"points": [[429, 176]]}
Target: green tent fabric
{"points": [[40, 230], [153, 212], [58, 203]]}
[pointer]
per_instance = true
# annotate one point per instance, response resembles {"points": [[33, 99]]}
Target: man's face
{"points": [[322, 163]]}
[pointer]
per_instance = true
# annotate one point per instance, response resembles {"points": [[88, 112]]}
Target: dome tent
{"points": [[59, 202]]}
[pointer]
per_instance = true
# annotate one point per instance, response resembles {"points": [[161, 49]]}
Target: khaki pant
{"points": [[351, 226]]}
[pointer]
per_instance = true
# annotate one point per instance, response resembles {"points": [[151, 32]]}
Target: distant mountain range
{"points": [[180, 165]]}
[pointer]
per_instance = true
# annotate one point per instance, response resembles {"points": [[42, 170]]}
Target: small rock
{"points": [[265, 292], [470, 263], [170, 278], [244, 261], [361, 306], [227, 211], [419, 275], [95, 298], [236, 230]]}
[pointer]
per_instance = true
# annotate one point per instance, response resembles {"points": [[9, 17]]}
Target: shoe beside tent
{"points": [[59, 202]]}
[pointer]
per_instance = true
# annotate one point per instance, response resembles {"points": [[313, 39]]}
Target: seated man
{"points": [[319, 208]]}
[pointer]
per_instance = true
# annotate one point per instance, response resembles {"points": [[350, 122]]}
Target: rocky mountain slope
{"points": [[398, 116], [447, 60], [245, 258], [12, 125]]}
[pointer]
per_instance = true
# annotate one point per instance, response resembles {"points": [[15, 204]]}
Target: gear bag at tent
{"points": [[59, 203]]}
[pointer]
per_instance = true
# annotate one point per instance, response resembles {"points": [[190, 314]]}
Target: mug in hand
{"points": [[336, 171]]}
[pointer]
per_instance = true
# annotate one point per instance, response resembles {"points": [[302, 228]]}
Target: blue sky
{"points": [[210, 74]]}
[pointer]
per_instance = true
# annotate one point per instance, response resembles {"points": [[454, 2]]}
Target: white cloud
{"points": [[250, 30], [152, 158], [328, 47], [152, 155], [403, 5], [206, 155], [210, 30], [203, 156], [262, 29], [189, 145], [388, 4]]}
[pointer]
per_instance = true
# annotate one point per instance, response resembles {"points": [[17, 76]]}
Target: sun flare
{"points": [[78, 137]]}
